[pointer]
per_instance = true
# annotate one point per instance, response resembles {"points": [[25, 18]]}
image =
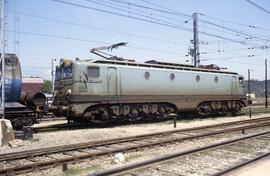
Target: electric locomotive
{"points": [[103, 91]]}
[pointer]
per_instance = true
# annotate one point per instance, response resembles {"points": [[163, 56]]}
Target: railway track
{"points": [[75, 126], [26, 161], [214, 159], [59, 127]]}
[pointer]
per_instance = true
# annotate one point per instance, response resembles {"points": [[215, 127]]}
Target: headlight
{"points": [[61, 62], [68, 92]]}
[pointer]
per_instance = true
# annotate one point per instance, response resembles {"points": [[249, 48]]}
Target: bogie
{"points": [[108, 113]]}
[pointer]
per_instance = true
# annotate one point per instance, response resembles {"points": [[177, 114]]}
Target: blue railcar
{"points": [[13, 78], [20, 112]]}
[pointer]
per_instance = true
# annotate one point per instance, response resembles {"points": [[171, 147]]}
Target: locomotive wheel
{"points": [[161, 113], [94, 116], [134, 115], [204, 110]]}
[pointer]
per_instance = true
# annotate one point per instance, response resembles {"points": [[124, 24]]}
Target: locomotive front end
{"points": [[63, 88], [79, 84]]}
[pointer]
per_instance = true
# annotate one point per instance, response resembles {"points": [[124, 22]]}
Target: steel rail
{"points": [[52, 150], [242, 164], [172, 156], [69, 157], [65, 148], [78, 126]]}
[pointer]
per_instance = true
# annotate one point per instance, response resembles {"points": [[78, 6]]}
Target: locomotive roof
{"points": [[160, 65]]}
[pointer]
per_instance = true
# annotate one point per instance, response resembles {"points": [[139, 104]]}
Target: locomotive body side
{"points": [[185, 89], [97, 90]]}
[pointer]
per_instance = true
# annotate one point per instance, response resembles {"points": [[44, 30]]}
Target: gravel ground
{"points": [[207, 162], [57, 138], [91, 166], [75, 136], [259, 168]]}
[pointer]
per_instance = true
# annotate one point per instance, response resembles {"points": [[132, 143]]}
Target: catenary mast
{"points": [[2, 72]]}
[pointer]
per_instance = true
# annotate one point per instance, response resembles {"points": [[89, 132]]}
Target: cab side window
{"points": [[67, 72], [11, 62], [93, 71], [57, 73], [241, 80]]}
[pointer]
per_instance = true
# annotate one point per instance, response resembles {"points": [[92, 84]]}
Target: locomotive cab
{"points": [[77, 83], [63, 75], [62, 90]]}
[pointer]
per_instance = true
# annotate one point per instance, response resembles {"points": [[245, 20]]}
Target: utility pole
{"points": [[249, 96], [52, 73], [2, 82], [196, 54], [249, 83], [266, 87]]}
